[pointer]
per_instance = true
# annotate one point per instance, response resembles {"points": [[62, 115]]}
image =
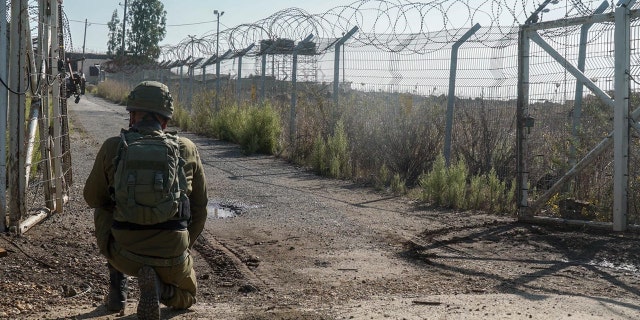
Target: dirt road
{"points": [[282, 243]]}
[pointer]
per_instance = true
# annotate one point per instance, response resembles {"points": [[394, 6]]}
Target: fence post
{"points": [[191, 72], [336, 71], [17, 82], [3, 117], [264, 72], [452, 90], [204, 76], [294, 88], [523, 123], [582, 56], [181, 73], [621, 115], [239, 81]]}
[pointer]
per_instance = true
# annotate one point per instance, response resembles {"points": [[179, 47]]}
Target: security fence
{"points": [[577, 150], [405, 92], [36, 174], [404, 98]]}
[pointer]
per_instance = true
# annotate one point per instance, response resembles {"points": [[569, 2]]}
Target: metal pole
{"points": [[218, 14], [452, 91], [192, 71], [294, 90], [523, 125], [239, 81], [621, 116], [17, 82], [582, 56], [124, 32], [124, 27], [336, 70], [3, 116], [84, 41], [58, 54], [180, 97], [263, 77]]}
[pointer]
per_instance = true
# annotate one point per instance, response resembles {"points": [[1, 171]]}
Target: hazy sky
{"points": [[184, 17]]}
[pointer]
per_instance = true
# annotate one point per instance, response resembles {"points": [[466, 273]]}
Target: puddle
{"points": [[219, 211]]}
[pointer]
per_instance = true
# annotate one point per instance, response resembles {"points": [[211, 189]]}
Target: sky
{"points": [[184, 17]]}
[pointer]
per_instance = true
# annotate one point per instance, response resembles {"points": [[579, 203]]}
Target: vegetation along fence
{"points": [[485, 98]]}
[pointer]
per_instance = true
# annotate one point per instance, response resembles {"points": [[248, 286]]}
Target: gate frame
{"points": [[619, 138]]}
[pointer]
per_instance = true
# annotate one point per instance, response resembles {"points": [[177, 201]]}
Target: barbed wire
{"points": [[389, 25]]}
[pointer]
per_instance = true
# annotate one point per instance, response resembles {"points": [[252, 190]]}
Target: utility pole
{"points": [[124, 26], [84, 41]]}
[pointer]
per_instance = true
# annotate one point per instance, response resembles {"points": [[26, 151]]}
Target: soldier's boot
{"points": [[150, 294], [117, 298]]}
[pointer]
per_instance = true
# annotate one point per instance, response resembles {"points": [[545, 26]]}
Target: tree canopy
{"points": [[146, 27], [147, 19], [114, 44]]}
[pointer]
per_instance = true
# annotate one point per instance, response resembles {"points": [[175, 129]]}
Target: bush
{"points": [[433, 184], [182, 117], [452, 187], [261, 131], [331, 157]]}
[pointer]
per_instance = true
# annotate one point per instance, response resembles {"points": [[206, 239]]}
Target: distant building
{"points": [[90, 67]]}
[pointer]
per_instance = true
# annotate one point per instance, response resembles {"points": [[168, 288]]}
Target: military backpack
{"points": [[150, 185]]}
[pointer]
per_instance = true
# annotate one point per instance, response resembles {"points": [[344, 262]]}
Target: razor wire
{"points": [[389, 25]]}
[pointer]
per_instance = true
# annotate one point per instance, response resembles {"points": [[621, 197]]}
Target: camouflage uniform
{"points": [[167, 251]]}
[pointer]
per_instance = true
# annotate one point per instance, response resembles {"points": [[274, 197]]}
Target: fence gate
{"points": [[577, 152]]}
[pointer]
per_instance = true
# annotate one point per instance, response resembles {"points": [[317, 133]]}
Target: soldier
{"points": [[149, 193]]}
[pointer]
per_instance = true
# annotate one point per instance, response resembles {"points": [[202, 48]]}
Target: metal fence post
{"points": [[239, 81], [582, 56], [17, 65], [336, 70], [452, 90], [3, 116], [294, 88], [264, 72], [523, 124], [621, 115], [181, 73]]}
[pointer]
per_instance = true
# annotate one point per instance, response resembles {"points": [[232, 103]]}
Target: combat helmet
{"points": [[151, 96]]}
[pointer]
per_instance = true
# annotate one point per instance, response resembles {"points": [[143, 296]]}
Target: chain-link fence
{"points": [[406, 95], [37, 173]]}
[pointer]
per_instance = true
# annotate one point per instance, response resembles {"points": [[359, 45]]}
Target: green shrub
{"points": [[433, 184], [457, 185], [182, 118], [331, 157], [261, 131], [383, 177], [337, 147], [398, 185], [477, 191], [229, 123], [318, 155]]}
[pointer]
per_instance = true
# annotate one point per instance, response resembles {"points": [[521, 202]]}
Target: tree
{"points": [[147, 21], [114, 44]]}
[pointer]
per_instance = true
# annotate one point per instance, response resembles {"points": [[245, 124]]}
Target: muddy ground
{"points": [[299, 246]]}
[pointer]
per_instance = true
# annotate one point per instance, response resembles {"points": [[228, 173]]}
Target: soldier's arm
{"points": [[96, 188], [96, 193], [197, 184]]}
